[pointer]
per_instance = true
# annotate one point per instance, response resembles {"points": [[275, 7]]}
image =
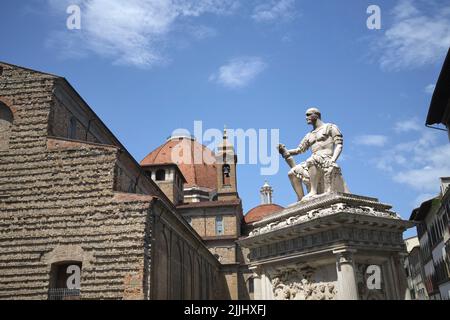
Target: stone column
{"points": [[347, 283], [400, 284], [257, 284], [266, 286]]}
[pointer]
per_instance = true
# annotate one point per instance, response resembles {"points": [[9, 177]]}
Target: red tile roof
{"points": [[260, 212], [197, 165]]}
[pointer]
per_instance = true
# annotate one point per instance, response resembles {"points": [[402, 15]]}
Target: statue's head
{"points": [[312, 115]]}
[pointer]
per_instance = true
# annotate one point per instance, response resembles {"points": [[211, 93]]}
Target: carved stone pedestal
{"points": [[337, 246]]}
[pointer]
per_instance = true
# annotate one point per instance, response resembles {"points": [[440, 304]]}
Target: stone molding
{"points": [[288, 219]]}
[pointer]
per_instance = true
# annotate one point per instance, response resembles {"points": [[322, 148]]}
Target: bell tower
{"points": [[226, 161]]}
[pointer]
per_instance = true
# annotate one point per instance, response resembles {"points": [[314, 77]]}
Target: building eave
{"points": [[441, 96]]}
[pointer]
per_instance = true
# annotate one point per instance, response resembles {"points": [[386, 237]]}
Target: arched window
{"points": [[161, 175], [6, 122], [226, 171]]}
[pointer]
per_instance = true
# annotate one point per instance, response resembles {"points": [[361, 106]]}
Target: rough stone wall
{"points": [[57, 195], [65, 198]]}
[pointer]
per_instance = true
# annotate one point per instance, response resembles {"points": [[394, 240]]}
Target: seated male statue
{"points": [[320, 172]]}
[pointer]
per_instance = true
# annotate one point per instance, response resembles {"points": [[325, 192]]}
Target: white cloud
{"points": [[276, 10], [239, 72], [417, 163], [436, 164], [415, 38], [407, 126], [136, 32], [421, 198], [430, 88], [371, 140]]}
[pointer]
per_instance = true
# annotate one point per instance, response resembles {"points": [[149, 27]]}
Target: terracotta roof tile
{"points": [[259, 212], [201, 174]]}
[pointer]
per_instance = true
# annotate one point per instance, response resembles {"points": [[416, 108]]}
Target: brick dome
{"points": [[261, 211], [186, 152]]}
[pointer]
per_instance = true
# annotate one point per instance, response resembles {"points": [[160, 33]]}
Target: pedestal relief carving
{"points": [[298, 284]]}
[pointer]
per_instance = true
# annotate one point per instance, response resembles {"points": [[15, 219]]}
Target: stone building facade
{"points": [[415, 273], [432, 219], [71, 194]]}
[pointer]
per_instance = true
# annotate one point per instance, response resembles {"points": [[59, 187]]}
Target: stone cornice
{"points": [[284, 231], [325, 201]]}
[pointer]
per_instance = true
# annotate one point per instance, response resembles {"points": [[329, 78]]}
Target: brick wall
{"points": [[206, 225]]}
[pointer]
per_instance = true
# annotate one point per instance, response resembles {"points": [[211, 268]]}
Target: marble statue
{"points": [[319, 173]]}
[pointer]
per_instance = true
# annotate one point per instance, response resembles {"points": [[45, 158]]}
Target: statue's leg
{"points": [[296, 184], [314, 176], [302, 173]]}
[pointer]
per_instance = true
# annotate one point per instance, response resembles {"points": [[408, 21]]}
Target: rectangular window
{"points": [[219, 225]]}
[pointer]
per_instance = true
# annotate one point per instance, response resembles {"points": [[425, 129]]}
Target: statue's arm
{"points": [[338, 139], [302, 147], [337, 152]]}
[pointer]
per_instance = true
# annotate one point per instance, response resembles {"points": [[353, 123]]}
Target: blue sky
{"points": [[148, 67]]}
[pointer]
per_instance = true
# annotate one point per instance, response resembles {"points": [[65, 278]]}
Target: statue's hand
{"points": [[283, 151]]}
